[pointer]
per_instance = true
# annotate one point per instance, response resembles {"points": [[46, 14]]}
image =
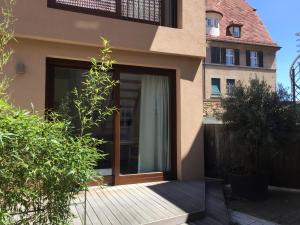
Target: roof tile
{"points": [[240, 12]]}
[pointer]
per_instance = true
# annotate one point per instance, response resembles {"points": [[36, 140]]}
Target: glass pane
{"points": [[230, 86], [65, 80], [144, 123], [215, 89]]}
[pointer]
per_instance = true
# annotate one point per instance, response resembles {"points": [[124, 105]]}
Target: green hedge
{"points": [[42, 167]]}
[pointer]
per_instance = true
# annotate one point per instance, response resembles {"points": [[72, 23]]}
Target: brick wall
{"points": [[212, 108]]}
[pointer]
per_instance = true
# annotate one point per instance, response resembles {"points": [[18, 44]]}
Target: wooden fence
{"points": [[285, 167]]}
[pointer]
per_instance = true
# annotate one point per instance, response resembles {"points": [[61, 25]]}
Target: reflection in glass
{"points": [[65, 80]]}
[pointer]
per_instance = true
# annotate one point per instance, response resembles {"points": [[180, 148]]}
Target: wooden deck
{"points": [[156, 203]]}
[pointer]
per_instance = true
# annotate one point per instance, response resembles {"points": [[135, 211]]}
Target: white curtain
{"points": [[154, 137]]}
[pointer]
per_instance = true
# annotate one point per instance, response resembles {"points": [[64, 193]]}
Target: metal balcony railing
{"points": [[145, 11]]}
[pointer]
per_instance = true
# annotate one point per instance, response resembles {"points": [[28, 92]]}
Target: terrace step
{"points": [[216, 210], [157, 203]]}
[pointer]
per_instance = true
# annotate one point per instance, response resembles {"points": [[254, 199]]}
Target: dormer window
{"points": [[213, 19], [234, 31], [212, 22], [212, 26]]}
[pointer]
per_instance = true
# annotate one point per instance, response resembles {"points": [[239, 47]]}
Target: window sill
{"points": [[239, 66]]}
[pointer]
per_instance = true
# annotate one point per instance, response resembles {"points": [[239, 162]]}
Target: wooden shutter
{"points": [[223, 55], [248, 58], [215, 55], [260, 56], [236, 57]]}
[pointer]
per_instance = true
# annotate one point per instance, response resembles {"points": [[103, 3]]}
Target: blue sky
{"points": [[281, 17]]}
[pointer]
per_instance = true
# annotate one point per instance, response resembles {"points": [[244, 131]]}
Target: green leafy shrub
{"points": [[43, 162], [259, 121], [42, 166]]}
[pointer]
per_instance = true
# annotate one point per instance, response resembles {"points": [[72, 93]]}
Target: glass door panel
{"points": [[65, 80], [144, 124]]}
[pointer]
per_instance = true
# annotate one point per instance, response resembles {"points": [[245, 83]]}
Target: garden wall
{"points": [[285, 168]]}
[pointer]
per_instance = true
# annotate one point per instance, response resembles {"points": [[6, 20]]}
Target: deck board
{"points": [[156, 203], [163, 202], [132, 202], [102, 207], [142, 204]]}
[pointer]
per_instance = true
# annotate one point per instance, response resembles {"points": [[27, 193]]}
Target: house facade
{"points": [[239, 48], [159, 46]]}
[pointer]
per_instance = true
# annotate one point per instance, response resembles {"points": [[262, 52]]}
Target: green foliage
{"points": [[92, 102], [6, 35], [42, 167], [259, 120]]}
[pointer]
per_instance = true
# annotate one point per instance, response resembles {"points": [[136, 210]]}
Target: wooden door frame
{"points": [[117, 178]]}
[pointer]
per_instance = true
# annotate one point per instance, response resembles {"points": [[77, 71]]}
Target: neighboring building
{"points": [[239, 48], [159, 46]]}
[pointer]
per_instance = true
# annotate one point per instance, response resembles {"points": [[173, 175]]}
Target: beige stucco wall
{"points": [[44, 32], [37, 21], [238, 74], [30, 88], [242, 72]]}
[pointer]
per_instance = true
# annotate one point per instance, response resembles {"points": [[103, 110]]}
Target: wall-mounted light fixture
{"points": [[20, 68]]}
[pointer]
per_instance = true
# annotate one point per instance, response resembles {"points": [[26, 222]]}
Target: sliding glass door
{"points": [[140, 136], [144, 123]]}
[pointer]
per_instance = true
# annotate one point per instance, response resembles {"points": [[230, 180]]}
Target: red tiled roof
{"points": [[241, 13]]}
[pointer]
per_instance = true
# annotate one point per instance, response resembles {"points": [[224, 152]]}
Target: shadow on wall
{"points": [[192, 166], [191, 67]]}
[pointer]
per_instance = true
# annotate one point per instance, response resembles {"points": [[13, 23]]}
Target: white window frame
{"points": [[253, 59], [212, 22], [236, 31], [229, 56], [229, 87]]}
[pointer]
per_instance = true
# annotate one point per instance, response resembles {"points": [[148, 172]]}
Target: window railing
{"points": [[158, 12]]}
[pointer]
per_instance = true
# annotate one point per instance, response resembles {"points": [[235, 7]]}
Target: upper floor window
{"points": [[235, 31], [229, 56], [212, 22], [254, 58], [212, 26], [158, 12], [226, 56]]}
